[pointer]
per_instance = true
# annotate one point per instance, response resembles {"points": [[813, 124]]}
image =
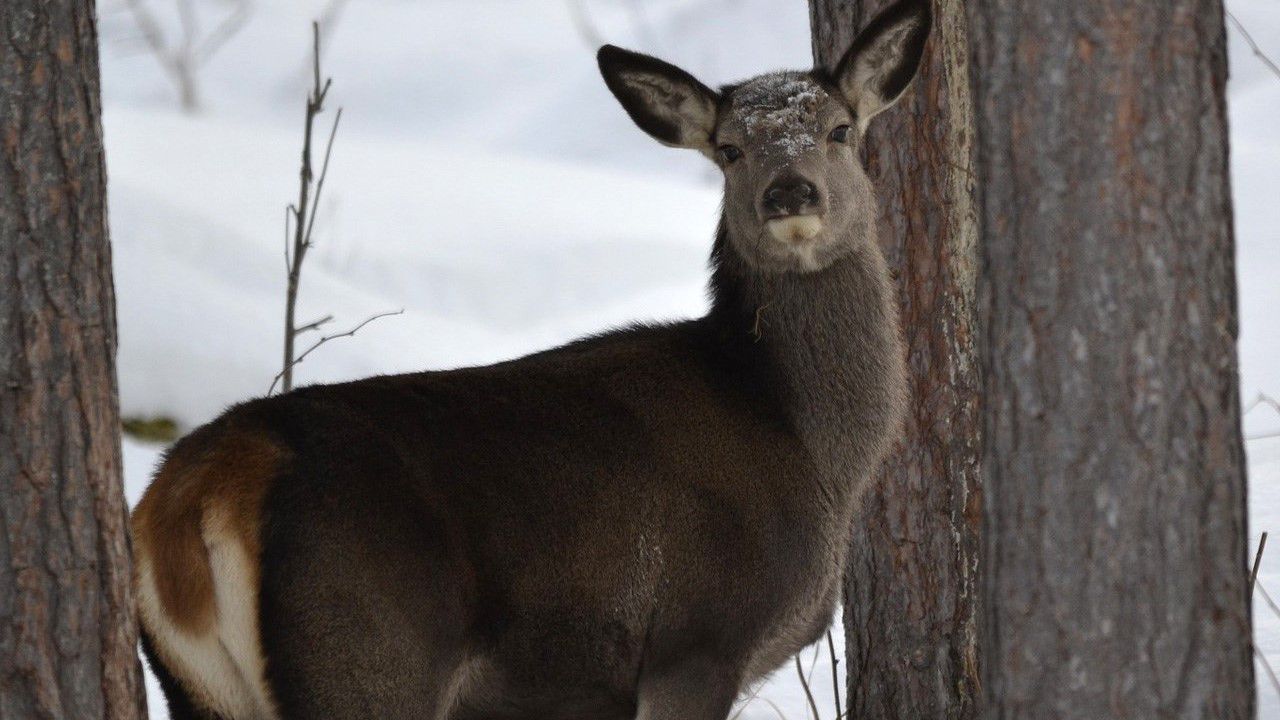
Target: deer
{"points": [[638, 524]]}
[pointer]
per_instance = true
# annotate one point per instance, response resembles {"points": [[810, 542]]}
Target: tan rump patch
{"points": [[198, 566], [227, 474]]}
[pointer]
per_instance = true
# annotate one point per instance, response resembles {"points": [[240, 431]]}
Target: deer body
{"points": [[634, 525]]}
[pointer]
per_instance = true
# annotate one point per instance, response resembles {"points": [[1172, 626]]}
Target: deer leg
{"points": [[698, 689]]}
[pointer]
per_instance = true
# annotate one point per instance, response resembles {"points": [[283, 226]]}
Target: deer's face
{"points": [[796, 197], [794, 191]]}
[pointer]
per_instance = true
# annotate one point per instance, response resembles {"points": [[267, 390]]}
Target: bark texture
{"points": [[67, 634], [1114, 553], [910, 594]]}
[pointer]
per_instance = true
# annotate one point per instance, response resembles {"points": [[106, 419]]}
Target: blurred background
{"points": [[484, 180]]}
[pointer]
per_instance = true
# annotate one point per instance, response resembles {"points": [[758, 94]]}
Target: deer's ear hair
{"points": [[665, 101], [884, 58]]}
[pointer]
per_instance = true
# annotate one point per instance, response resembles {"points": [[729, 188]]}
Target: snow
{"points": [[485, 181], [491, 256], [781, 110]]}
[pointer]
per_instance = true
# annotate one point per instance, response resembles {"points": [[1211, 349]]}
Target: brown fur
{"points": [[222, 475]]}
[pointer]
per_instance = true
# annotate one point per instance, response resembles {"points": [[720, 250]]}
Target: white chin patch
{"points": [[796, 229]]}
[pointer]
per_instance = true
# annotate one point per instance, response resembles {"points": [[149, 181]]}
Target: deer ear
{"points": [[884, 58], [665, 101]]}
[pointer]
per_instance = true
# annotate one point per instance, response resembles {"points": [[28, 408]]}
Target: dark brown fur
{"points": [[577, 520]]}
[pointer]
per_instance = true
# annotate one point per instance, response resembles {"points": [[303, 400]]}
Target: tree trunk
{"points": [[67, 634], [911, 587], [1114, 556]]}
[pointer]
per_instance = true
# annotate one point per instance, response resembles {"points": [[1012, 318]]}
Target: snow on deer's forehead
{"points": [[781, 110]]}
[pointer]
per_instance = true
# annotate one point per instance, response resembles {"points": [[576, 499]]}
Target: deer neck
{"points": [[831, 343]]}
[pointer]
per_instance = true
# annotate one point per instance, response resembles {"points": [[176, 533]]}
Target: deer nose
{"points": [[789, 197]]}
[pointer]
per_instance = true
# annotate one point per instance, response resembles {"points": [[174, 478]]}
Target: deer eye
{"points": [[729, 153], [840, 134]]}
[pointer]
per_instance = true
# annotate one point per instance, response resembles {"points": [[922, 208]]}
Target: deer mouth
{"points": [[794, 228]]}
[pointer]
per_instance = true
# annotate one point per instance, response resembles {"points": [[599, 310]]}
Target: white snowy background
{"points": [[485, 181]]}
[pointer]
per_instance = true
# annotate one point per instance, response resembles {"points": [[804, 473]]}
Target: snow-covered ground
{"points": [[485, 181]]}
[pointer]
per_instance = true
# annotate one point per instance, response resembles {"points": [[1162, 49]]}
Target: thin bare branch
{"points": [[777, 710], [304, 212], [288, 256], [1257, 562], [150, 29], [1266, 597], [744, 703], [324, 172], [755, 697], [317, 95], [808, 693], [224, 31], [1255, 583], [835, 673], [190, 25], [171, 60], [326, 339], [330, 16], [182, 59], [1266, 665], [583, 23], [313, 325], [1257, 51], [1260, 400]]}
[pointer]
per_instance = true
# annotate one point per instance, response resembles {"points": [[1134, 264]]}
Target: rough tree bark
{"points": [[1114, 554], [67, 635], [910, 593]]}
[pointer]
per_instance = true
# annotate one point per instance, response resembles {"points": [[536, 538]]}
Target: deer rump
{"points": [[520, 540]]}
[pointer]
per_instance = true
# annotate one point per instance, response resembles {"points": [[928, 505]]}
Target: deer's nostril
{"points": [[789, 197]]}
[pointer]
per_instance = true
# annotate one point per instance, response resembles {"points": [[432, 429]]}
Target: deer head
{"points": [[796, 197]]}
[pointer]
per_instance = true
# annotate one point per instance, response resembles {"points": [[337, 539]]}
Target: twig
{"points": [[182, 60], [835, 674], [777, 710], [1275, 682], [1257, 51], [754, 697], [304, 211], [745, 703], [583, 24], [225, 30], [804, 682], [190, 28], [329, 17], [327, 22], [153, 36], [326, 339], [1257, 562], [324, 173], [1266, 596], [313, 325], [288, 259], [1259, 401]]}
